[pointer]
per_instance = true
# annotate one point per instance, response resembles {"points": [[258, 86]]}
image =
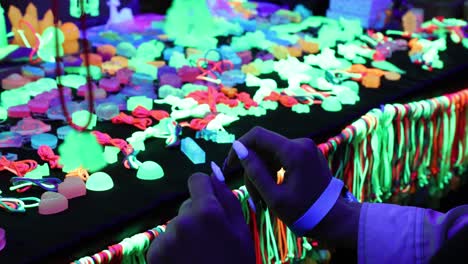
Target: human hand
{"points": [[210, 227], [261, 153]]}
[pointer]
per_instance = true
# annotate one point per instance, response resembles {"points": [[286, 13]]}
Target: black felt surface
{"points": [[101, 219]]}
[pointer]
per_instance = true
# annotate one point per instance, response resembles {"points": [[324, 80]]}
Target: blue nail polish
{"points": [[217, 172], [240, 150], [252, 205]]}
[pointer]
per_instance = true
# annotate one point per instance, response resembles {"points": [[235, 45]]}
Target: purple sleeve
{"points": [[402, 234]]}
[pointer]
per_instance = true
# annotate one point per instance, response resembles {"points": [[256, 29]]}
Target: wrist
{"points": [[340, 226]]}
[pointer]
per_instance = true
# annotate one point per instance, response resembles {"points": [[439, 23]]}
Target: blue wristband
{"points": [[319, 209]]}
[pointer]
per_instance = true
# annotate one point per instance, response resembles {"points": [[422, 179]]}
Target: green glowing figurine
{"points": [[81, 149], [47, 51], [3, 31], [90, 7]]}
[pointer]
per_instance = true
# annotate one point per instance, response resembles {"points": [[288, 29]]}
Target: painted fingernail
{"points": [[217, 172], [252, 205], [240, 149]]}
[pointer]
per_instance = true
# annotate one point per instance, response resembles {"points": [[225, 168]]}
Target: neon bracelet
{"points": [[319, 209]]}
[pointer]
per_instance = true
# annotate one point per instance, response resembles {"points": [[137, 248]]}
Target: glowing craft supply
{"points": [[172, 79], [126, 49], [191, 149], [29, 126], [220, 121], [198, 111], [10, 140], [142, 79], [81, 117], [141, 66], [392, 76], [106, 111], [81, 149], [3, 114], [150, 170], [331, 104], [9, 156], [32, 72], [72, 187], [90, 7], [301, 109], [13, 81], [387, 66], [47, 50], [23, 183], [135, 101], [63, 131], [109, 84], [166, 90], [111, 154], [52, 203], [44, 139], [2, 231], [72, 80], [99, 182], [149, 51], [19, 111], [39, 172], [38, 106]]}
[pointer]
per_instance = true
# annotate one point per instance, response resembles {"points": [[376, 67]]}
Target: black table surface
{"points": [[103, 218]]}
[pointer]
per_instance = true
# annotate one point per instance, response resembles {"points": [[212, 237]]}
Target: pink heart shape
{"points": [[52, 203], [72, 187]]}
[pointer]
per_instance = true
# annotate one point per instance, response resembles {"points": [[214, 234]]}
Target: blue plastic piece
{"points": [[106, 111], [191, 149], [229, 54], [370, 12], [56, 113], [142, 79], [233, 77], [272, 36], [167, 53], [303, 11], [10, 140], [44, 139], [63, 131], [147, 91], [32, 71], [220, 137]]}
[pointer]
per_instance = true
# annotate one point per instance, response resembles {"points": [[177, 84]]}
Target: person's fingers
{"points": [[254, 194], [162, 248], [185, 206], [226, 198], [265, 141], [256, 171], [201, 190]]}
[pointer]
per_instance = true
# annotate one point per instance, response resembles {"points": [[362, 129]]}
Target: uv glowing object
{"points": [[81, 149], [150, 170], [72, 187], [52, 203], [44, 139], [3, 31], [116, 16], [47, 51], [90, 7], [2, 239], [30, 126], [10, 140], [99, 182], [191, 149], [81, 118]]}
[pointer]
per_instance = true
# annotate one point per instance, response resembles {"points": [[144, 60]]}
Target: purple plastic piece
{"points": [[56, 113], [265, 56], [83, 89], [110, 85], [72, 61], [171, 79], [166, 70], [124, 75], [139, 90], [188, 74], [246, 56], [106, 111], [119, 100], [266, 9], [32, 72], [19, 111], [2, 239], [29, 126], [21, 52], [38, 106], [10, 140]]}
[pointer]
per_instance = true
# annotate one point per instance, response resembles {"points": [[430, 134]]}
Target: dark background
{"points": [[101, 219]]}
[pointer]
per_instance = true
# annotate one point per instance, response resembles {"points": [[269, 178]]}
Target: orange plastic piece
{"points": [[229, 92], [158, 64], [47, 21], [120, 60], [371, 81], [377, 72], [357, 68], [70, 31], [79, 172], [111, 67], [94, 59], [107, 51], [309, 47], [71, 47], [295, 51]]}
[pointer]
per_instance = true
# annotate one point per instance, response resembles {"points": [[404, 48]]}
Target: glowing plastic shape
{"points": [[81, 149], [143, 101], [3, 30], [191, 149], [47, 51], [30, 126], [99, 182], [44, 139], [2, 239], [90, 7], [116, 16], [81, 118], [52, 203], [72, 187], [150, 170]]}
